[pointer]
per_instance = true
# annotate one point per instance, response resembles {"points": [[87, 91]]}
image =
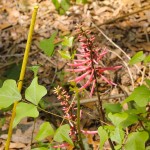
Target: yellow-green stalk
{"points": [[22, 73]]}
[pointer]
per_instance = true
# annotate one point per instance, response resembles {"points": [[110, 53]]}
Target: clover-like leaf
{"points": [[45, 131], [68, 41], [65, 54], [103, 136], [35, 92], [117, 135], [62, 134], [47, 45], [118, 118], [140, 95], [25, 110], [138, 57], [136, 141], [9, 93]]}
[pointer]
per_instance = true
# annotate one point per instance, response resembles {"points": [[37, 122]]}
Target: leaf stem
{"points": [[20, 83]]}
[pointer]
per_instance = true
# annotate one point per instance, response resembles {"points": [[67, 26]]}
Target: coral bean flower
{"points": [[87, 61]]}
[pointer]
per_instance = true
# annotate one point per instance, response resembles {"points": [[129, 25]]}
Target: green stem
{"points": [[78, 123]]}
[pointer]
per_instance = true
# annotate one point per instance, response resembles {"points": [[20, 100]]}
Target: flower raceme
{"points": [[87, 62]]}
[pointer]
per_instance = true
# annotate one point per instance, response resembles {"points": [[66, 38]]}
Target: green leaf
{"points": [[62, 134], [147, 82], [117, 135], [9, 93], [35, 92], [117, 118], [45, 131], [140, 95], [65, 54], [138, 57], [147, 59], [65, 4], [34, 69], [25, 110], [136, 141], [13, 72], [114, 108], [40, 148], [67, 41], [61, 11], [103, 136], [132, 118], [81, 1], [56, 4], [47, 45]]}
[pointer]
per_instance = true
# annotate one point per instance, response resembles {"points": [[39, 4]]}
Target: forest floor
{"points": [[122, 26]]}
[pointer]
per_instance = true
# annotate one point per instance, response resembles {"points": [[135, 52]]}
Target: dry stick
{"points": [[25, 59], [84, 101]]}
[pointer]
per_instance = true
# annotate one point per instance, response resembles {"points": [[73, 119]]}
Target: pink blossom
{"points": [[88, 56], [64, 145]]}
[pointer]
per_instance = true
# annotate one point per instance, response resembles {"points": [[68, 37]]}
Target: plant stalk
{"points": [[21, 78], [78, 123]]}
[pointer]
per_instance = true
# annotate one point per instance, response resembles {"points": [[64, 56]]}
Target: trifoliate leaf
{"points": [[117, 118], [47, 45], [45, 131], [103, 136], [65, 4], [132, 118], [62, 134], [136, 141], [147, 82], [67, 41], [65, 54], [138, 57], [25, 110], [147, 59], [81, 1], [140, 95], [114, 108], [35, 69], [35, 92], [117, 135], [56, 4], [9, 93]]}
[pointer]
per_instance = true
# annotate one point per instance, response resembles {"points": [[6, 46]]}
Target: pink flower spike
{"points": [[95, 61], [78, 64], [85, 55], [102, 54], [81, 114], [92, 89], [61, 146], [108, 81], [78, 70], [88, 82], [89, 132], [78, 79]]}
